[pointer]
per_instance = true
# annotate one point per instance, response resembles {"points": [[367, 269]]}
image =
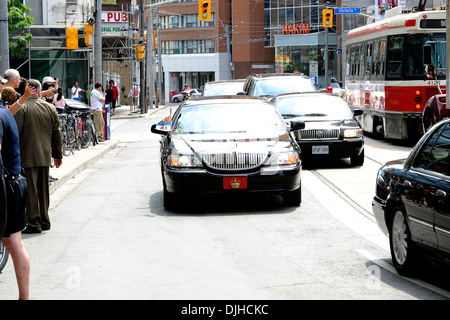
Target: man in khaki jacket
{"points": [[40, 140]]}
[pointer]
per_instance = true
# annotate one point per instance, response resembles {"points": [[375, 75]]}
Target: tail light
{"points": [[418, 99]]}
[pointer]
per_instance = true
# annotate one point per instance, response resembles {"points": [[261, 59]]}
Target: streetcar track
{"points": [[369, 215], [343, 195]]}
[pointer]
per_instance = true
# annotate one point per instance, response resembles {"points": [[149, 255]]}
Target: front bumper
{"points": [[379, 211], [202, 181], [336, 148]]}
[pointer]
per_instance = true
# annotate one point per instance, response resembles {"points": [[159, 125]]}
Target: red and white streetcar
{"points": [[386, 75]]}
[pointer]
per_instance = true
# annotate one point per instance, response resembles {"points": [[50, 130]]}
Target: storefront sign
{"points": [[114, 16], [296, 28]]}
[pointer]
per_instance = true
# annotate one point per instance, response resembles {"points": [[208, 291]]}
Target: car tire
{"points": [[175, 100], [403, 251], [357, 160], [293, 198]]}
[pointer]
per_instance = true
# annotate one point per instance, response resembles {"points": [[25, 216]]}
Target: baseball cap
{"points": [[48, 79]]}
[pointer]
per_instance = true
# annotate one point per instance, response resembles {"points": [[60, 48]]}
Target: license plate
{"points": [[320, 150], [235, 182]]}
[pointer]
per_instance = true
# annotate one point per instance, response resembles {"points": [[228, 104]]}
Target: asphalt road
{"points": [[112, 239]]}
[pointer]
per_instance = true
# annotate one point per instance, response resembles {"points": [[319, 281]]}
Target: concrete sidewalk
{"points": [[81, 159]]}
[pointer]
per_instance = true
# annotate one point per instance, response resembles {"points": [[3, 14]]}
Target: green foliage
{"points": [[18, 20]]}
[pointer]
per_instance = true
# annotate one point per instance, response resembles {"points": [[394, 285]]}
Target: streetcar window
{"points": [[361, 61], [375, 59], [395, 57], [368, 58], [382, 56], [414, 60]]}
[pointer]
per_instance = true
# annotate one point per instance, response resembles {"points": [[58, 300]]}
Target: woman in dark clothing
{"points": [[109, 95]]}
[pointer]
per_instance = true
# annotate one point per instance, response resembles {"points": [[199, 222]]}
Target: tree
{"points": [[18, 22]]}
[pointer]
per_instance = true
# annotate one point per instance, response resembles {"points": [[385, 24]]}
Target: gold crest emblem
{"points": [[235, 184]]}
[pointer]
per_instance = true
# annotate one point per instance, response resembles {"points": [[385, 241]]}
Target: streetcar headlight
{"points": [[353, 133]]}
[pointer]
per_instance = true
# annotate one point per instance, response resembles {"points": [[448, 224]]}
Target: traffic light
{"points": [[155, 40], [88, 31], [204, 10], [72, 38], [140, 52], [327, 18]]}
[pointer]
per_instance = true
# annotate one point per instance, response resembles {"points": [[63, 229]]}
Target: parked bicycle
{"points": [[66, 140], [3, 256]]}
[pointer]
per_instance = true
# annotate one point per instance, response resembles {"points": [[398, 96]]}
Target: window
{"points": [[188, 46], [191, 20], [438, 160], [395, 57], [434, 156]]}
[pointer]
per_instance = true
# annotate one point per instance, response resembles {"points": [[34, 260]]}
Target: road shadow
{"points": [[325, 162], [394, 142], [221, 204]]}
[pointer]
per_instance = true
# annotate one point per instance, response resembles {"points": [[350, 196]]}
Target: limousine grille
{"points": [[234, 160]]}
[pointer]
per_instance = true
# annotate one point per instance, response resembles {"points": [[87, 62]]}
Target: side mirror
{"points": [[358, 112], [241, 93], [158, 131], [297, 125]]}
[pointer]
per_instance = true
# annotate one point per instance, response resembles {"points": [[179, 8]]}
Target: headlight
{"points": [[353, 133], [183, 160], [284, 159], [381, 179]]}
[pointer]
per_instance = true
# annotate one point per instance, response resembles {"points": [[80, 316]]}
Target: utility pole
{"points": [[150, 57], [4, 42], [227, 34], [158, 41], [98, 43], [142, 86]]}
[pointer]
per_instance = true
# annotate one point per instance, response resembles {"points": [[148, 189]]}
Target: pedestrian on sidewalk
{"points": [[13, 79], [76, 91], [58, 101], [115, 96], [98, 99], [109, 95], [40, 140], [16, 219]]}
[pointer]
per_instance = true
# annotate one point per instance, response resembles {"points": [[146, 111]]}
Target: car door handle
{"points": [[441, 193]]}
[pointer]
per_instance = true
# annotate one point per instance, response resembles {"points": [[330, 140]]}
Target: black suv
{"points": [[272, 84]]}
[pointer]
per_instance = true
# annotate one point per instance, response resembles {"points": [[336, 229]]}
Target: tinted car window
{"points": [[229, 118], [421, 160], [312, 106], [276, 86], [439, 156]]}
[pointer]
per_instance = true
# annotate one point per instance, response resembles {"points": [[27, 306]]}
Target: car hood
{"points": [[218, 143]]}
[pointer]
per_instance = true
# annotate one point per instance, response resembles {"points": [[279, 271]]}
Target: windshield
{"points": [[228, 88], [414, 54], [229, 118], [313, 106], [273, 87]]}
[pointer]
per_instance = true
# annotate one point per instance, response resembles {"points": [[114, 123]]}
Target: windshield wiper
{"points": [[291, 115], [315, 115]]}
